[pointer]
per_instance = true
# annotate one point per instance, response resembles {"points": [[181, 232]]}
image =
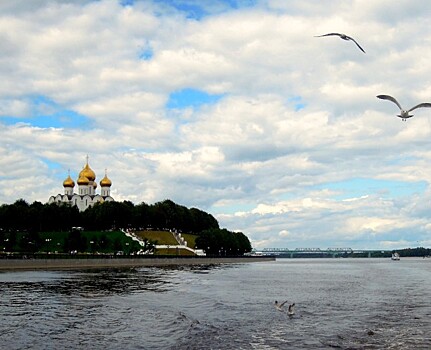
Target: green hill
{"points": [[158, 237], [166, 237]]}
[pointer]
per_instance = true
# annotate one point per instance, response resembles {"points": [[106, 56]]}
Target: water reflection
{"points": [[99, 282], [344, 304]]}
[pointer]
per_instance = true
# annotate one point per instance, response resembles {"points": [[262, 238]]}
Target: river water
{"points": [[340, 303]]}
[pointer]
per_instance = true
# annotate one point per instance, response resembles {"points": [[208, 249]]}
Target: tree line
{"points": [[21, 216], [165, 215], [419, 251]]}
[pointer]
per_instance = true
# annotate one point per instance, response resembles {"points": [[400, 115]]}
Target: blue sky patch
{"points": [[191, 98], [357, 187], [51, 165], [192, 9], [232, 208], [146, 53], [56, 170], [297, 102], [45, 113], [198, 9], [127, 3]]}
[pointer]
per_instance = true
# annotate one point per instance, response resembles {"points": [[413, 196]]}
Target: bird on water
{"points": [[291, 309], [344, 37], [404, 114]]}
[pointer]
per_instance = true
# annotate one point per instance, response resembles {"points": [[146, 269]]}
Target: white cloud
{"points": [[14, 108], [297, 113]]}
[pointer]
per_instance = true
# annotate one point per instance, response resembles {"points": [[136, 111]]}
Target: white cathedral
{"points": [[86, 196]]}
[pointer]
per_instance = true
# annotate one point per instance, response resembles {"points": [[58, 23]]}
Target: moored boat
{"points": [[395, 256]]}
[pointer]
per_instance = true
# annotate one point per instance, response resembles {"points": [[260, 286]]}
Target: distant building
{"points": [[86, 196]]}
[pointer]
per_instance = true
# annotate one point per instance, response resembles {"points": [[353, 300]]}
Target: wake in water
{"points": [[346, 304]]}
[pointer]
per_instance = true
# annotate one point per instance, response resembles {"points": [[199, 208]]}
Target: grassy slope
{"points": [[161, 237], [190, 240], [166, 238]]}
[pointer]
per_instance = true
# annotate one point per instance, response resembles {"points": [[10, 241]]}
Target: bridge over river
{"points": [[323, 253]]}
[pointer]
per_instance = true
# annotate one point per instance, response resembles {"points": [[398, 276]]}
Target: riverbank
{"points": [[80, 263]]}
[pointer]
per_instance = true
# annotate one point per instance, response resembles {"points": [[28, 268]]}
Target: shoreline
{"points": [[54, 264]]}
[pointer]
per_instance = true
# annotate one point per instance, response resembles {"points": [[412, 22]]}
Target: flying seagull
{"points": [[344, 37], [279, 306], [403, 113]]}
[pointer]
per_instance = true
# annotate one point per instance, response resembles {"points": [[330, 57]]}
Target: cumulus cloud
{"points": [[277, 155]]}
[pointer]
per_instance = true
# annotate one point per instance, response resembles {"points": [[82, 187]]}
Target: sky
{"points": [[230, 106]]}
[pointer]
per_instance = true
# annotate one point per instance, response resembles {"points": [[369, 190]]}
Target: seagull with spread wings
{"points": [[404, 114], [344, 37], [279, 306]]}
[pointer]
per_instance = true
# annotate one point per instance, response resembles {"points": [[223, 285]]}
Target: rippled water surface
{"points": [[340, 303]]}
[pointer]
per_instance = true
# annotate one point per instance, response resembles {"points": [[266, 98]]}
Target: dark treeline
{"points": [[420, 251], [223, 242], [166, 215], [38, 217]]}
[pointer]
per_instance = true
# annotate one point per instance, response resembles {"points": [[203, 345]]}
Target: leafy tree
{"points": [[202, 220], [75, 241], [15, 216], [223, 242], [142, 216]]}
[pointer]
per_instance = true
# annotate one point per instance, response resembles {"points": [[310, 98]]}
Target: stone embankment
{"points": [[81, 263]]}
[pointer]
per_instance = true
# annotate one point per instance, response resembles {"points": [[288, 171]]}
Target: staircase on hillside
{"points": [[134, 237], [180, 239], [182, 243]]}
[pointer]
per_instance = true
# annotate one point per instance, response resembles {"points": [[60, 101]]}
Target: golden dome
{"points": [[68, 182], [105, 182], [88, 173], [83, 180]]}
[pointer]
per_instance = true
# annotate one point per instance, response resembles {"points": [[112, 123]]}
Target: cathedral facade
{"points": [[86, 196]]}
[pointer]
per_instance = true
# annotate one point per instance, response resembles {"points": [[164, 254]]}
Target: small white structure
{"points": [[395, 256], [86, 195]]}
